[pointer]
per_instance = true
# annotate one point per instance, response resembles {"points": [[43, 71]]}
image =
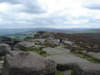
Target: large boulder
{"points": [[26, 45], [66, 61], [4, 49], [27, 63], [66, 42]]}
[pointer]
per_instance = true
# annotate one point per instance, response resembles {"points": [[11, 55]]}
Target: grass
{"points": [[73, 71], [62, 73], [89, 58], [0, 57], [59, 73], [18, 37]]}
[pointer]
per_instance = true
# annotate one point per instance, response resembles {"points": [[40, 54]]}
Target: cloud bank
{"points": [[50, 13]]}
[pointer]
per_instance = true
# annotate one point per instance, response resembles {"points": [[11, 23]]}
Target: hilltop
{"points": [[64, 54]]}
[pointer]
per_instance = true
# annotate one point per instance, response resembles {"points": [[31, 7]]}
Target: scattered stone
{"points": [[28, 63]]}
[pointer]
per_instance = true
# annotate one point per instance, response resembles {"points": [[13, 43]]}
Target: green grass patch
{"points": [[59, 73], [73, 71], [62, 73], [0, 57]]}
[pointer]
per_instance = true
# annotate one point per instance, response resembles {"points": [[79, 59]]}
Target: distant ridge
{"points": [[4, 32]]}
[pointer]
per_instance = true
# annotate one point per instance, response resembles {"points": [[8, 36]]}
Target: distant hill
{"points": [[4, 32]]}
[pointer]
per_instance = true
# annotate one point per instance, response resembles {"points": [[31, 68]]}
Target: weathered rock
{"points": [[1, 66], [66, 42], [27, 63], [9, 41], [94, 55], [44, 34], [87, 69], [51, 43], [56, 51], [4, 49], [25, 46], [66, 61], [28, 39], [39, 41]]}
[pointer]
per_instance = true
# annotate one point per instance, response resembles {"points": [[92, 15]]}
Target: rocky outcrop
{"points": [[51, 42], [27, 63], [4, 49], [45, 34], [27, 46], [9, 41]]}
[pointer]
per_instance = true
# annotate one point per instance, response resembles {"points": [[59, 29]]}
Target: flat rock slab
{"points": [[95, 55], [66, 59], [27, 63], [87, 69], [63, 58], [56, 50]]}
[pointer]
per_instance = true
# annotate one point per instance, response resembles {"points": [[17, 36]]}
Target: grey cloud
{"points": [[50, 20], [92, 20], [94, 6], [10, 1], [31, 6]]}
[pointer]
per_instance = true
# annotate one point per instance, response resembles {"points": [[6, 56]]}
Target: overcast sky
{"points": [[50, 13]]}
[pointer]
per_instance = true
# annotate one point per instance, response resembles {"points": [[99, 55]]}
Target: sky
{"points": [[49, 13]]}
